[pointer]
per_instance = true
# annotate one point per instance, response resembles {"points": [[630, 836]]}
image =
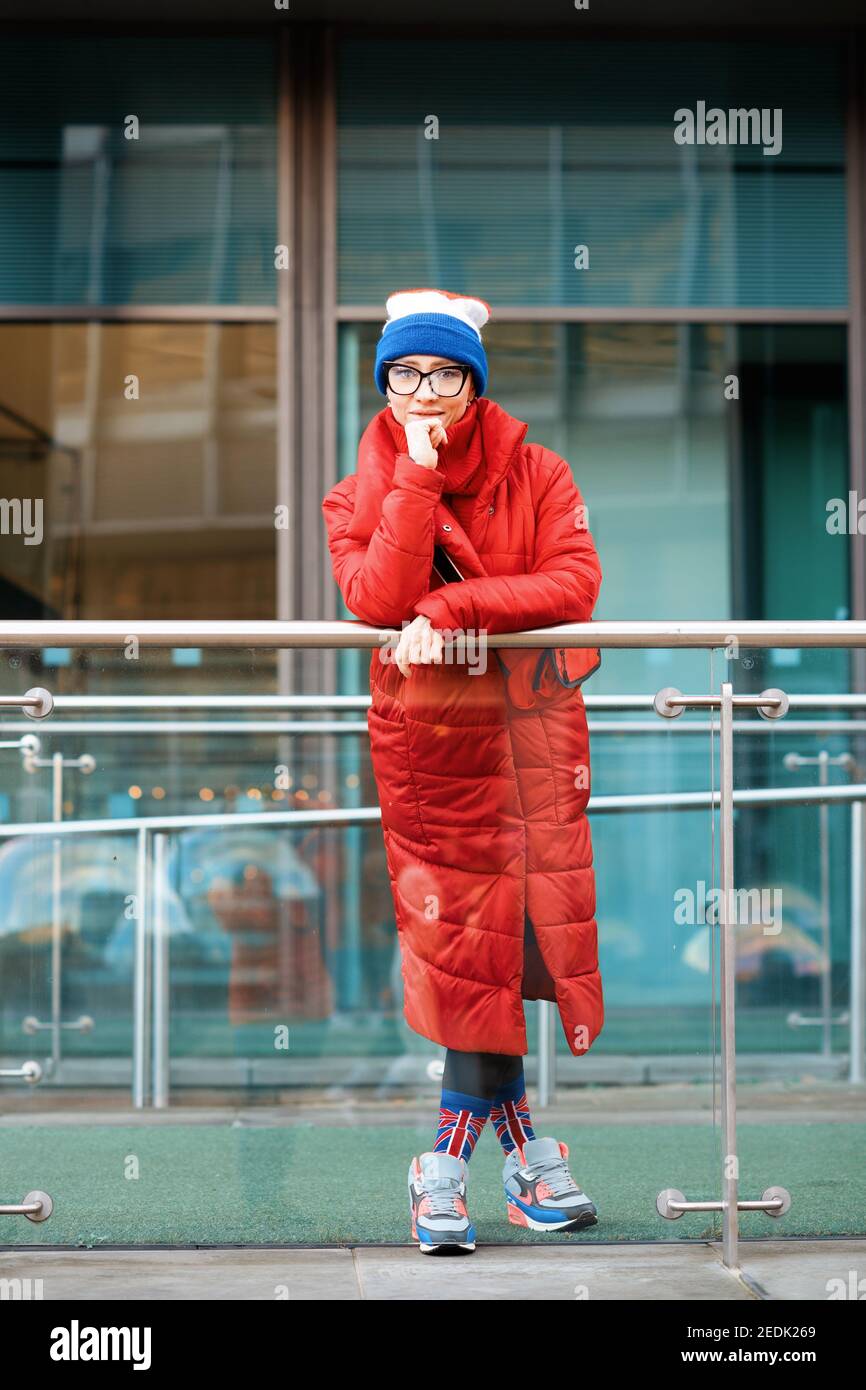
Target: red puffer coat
{"points": [[482, 770]]}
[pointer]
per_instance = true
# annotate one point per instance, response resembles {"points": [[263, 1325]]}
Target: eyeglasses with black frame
{"points": [[444, 381]]}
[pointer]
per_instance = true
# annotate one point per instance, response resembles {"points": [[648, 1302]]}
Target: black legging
{"points": [[479, 1073]]}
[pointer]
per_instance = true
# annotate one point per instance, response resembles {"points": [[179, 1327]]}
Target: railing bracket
{"points": [[671, 1203], [37, 1206]]}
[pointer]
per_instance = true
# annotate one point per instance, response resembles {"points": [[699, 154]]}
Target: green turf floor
{"points": [[300, 1184]]}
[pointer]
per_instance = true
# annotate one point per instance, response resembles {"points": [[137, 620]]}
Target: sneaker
{"points": [[437, 1201], [540, 1191]]}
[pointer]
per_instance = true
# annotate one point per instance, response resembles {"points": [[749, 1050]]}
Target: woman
{"points": [[454, 528]]}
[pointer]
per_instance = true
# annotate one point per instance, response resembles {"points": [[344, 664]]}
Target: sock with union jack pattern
{"points": [[510, 1114], [461, 1120]]}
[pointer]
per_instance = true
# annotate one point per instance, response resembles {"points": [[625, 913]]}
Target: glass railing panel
{"points": [[799, 929], [647, 1084], [239, 958]]}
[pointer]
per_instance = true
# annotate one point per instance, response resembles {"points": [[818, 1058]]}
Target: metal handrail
{"points": [[361, 815], [343, 727], [343, 633], [323, 700]]}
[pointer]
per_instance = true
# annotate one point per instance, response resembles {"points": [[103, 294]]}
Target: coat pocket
{"points": [[390, 760], [574, 665], [565, 724]]}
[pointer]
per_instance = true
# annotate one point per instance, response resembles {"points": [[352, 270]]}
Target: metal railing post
{"points": [[56, 908], [141, 982], [823, 761], [730, 1157], [546, 1054], [161, 976], [857, 1035]]}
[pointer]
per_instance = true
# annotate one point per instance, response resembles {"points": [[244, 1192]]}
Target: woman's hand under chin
{"points": [[424, 437], [419, 644]]}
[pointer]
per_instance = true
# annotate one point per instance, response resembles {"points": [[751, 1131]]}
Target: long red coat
{"points": [[483, 778]]}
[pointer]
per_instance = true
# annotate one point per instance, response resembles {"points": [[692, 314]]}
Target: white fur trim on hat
{"points": [[473, 312]]}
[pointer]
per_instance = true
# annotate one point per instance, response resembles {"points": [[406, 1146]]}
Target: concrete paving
{"points": [[769, 1270], [605, 1272], [814, 1270], [178, 1275]]}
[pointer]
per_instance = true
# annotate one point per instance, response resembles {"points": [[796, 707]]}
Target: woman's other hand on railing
{"points": [[419, 644]]}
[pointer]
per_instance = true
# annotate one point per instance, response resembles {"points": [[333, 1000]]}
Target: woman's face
{"points": [[425, 403]]}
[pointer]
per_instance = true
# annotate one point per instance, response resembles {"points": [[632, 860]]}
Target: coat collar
{"points": [[461, 460], [502, 434]]}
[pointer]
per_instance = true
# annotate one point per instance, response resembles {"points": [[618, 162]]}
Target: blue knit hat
{"points": [[437, 323]]}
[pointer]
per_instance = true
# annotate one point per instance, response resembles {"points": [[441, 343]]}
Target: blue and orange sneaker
{"points": [[437, 1201], [540, 1191]]}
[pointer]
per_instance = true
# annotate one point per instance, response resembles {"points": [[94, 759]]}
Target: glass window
{"points": [[550, 146], [158, 504], [184, 213]]}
